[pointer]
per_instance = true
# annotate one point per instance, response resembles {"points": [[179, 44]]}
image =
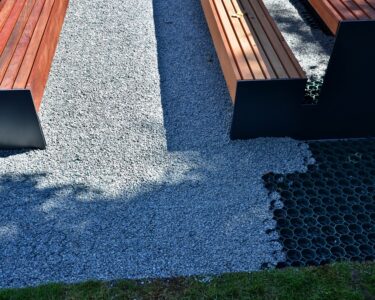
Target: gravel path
{"points": [[311, 46], [140, 178]]}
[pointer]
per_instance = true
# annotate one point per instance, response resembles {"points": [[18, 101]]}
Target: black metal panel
{"points": [[267, 108], [19, 122], [346, 108], [347, 102]]}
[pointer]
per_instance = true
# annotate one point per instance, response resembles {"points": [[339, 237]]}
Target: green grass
{"points": [[338, 281]]}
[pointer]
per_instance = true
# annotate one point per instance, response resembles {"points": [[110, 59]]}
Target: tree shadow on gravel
{"points": [[73, 233]]}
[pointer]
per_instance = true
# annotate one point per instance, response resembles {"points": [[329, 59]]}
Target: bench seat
{"points": [[248, 43], [29, 33], [332, 12], [259, 67]]}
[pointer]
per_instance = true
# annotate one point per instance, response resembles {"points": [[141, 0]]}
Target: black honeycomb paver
{"points": [[328, 213]]}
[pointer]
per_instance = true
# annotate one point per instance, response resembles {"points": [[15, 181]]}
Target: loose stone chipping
{"points": [[139, 178]]}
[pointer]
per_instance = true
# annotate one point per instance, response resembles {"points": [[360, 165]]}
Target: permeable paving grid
{"points": [[328, 213]]}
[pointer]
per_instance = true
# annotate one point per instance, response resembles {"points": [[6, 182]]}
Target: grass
{"points": [[337, 281]]}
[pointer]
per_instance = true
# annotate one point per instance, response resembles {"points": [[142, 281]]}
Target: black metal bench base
{"points": [[346, 108], [19, 123]]}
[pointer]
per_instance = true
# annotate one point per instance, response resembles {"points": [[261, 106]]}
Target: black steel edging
{"points": [[19, 122]]}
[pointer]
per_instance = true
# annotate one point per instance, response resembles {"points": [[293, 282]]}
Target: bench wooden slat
{"points": [[5, 9], [43, 60], [222, 47], [10, 23], [233, 41], [236, 17], [356, 10], [332, 12], [19, 54], [273, 70], [32, 50], [261, 56], [342, 10], [284, 52], [15, 37], [366, 8]]}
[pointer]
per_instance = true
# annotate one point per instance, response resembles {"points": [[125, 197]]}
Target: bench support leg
{"points": [[267, 108], [19, 122], [346, 107]]}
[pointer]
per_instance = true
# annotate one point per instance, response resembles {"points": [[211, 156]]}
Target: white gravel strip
{"points": [[311, 46], [140, 178]]}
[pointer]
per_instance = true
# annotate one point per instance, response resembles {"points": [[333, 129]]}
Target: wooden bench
{"points": [[267, 84], [333, 12], [261, 72], [29, 33]]}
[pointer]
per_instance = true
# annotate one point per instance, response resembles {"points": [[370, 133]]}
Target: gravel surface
{"points": [[311, 46], [140, 178]]}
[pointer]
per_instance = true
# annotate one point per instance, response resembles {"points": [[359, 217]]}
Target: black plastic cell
{"points": [[328, 212], [338, 251], [290, 244], [341, 229], [347, 239], [366, 250], [304, 243], [308, 254]]}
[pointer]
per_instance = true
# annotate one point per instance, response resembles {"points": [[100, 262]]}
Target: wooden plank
{"points": [[342, 10], [371, 3], [281, 61], [293, 60], [261, 56], [22, 46], [10, 23], [223, 50], [14, 38], [233, 42], [367, 9], [263, 36], [355, 10], [327, 13], [244, 36], [43, 61], [5, 10], [32, 50], [2, 3]]}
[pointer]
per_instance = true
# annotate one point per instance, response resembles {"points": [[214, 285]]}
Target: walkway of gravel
{"points": [[140, 178], [311, 46]]}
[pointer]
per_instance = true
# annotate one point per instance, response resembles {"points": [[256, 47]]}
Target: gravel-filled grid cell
{"points": [[328, 213]]}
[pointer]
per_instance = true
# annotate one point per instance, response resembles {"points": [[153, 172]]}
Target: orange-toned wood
{"points": [[6, 8], [43, 60], [23, 45], [242, 35], [29, 58], [248, 42], [29, 33], [10, 23], [332, 12], [286, 55], [223, 49], [14, 38]]}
